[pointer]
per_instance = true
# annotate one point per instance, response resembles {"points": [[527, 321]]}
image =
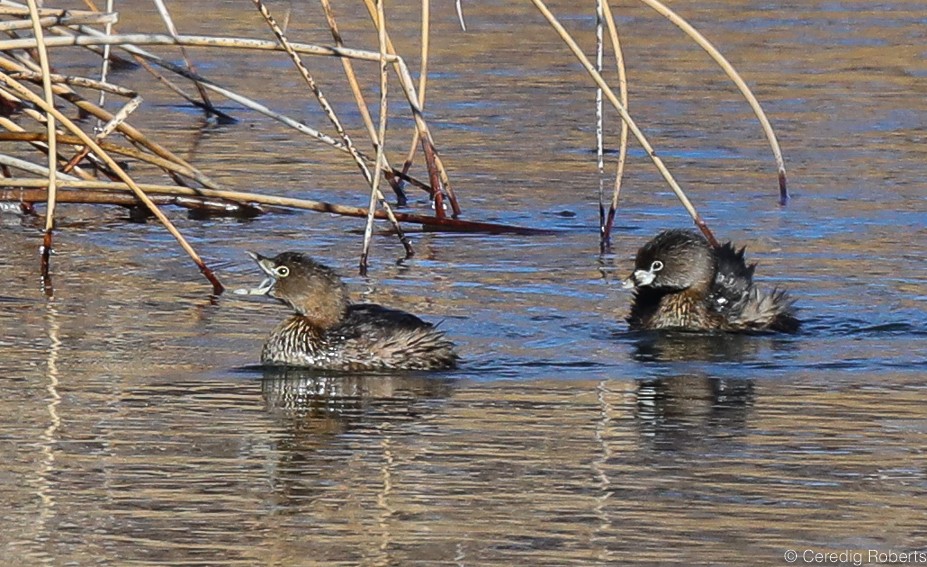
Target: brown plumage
{"points": [[681, 282], [329, 333]]}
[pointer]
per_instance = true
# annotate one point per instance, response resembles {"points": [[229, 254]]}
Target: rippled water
{"points": [[136, 427]]}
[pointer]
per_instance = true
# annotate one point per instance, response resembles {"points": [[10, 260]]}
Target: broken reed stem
{"points": [[348, 67], [460, 16], [171, 29], [454, 225], [52, 147], [682, 24], [623, 139], [597, 77], [330, 112], [104, 131], [25, 93]]}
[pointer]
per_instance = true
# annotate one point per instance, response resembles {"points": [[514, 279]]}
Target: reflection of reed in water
{"points": [[687, 411]]}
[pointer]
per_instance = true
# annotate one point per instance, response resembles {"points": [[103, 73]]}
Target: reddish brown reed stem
{"points": [[427, 221], [437, 192], [783, 189], [45, 263], [702, 226]]}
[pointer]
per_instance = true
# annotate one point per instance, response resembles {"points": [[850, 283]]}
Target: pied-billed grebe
{"points": [[681, 282], [329, 333]]}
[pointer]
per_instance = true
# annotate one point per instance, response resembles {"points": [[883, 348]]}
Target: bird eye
{"points": [[656, 266], [282, 271]]}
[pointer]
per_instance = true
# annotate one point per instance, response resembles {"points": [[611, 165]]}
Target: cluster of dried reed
{"points": [[604, 14], [80, 166]]}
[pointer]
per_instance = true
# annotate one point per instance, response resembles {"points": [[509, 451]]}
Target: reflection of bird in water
{"points": [[681, 412], [670, 346], [681, 282], [317, 402], [327, 420]]}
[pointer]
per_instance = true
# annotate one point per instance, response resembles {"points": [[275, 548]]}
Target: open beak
{"points": [[639, 278], [265, 286]]}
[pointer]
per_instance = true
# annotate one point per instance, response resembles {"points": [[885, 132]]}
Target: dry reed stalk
{"points": [[171, 29], [105, 131], [94, 37], [422, 78], [22, 10], [597, 77], [168, 166], [34, 168], [222, 116], [682, 24], [116, 62], [75, 82], [348, 67], [460, 17], [52, 147], [381, 138], [316, 91], [125, 128], [203, 103], [235, 208], [333, 118], [91, 37], [437, 174], [623, 138], [197, 205], [69, 20], [258, 107], [104, 67], [26, 94], [599, 119], [450, 225], [37, 140]]}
